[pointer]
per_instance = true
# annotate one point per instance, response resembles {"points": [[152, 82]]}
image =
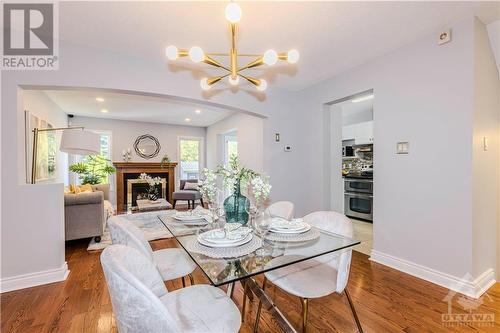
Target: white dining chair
{"points": [[141, 303], [318, 277], [172, 263], [284, 209]]}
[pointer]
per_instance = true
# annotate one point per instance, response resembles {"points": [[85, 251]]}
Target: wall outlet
{"points": [[444, 37], [288, 149], [402, 148]]}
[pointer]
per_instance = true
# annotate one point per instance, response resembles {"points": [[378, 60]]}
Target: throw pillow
{"points": [[86, 188], [191, 186]]}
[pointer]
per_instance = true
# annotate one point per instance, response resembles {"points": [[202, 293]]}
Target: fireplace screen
{"points": [[138, 189]]}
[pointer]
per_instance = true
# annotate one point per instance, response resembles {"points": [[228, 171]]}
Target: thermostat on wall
{"points": [[288, 149]]}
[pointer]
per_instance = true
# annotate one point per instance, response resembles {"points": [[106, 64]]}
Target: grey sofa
{"points": [[187, 195], [84, 213]]}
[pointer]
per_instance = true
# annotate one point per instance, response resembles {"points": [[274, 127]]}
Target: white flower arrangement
{"points": [[151, 181], [261, 188], [207, 185]]}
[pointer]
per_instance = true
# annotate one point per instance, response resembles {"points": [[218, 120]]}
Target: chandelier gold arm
{"points": [[216, 79], [227, 55], [234, 55], [257, 62], [211, 61], [254, 81]]}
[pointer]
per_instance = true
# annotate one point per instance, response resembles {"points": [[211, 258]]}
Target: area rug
{"points": [[149, 224]]}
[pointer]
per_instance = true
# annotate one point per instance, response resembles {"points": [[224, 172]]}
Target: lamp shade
{"points": [[80, 142]]}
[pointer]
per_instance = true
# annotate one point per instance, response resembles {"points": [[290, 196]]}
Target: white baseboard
{"points": [[472, 288], [34, 279]]}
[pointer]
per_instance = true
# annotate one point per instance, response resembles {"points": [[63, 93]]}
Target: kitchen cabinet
{"points": [[361, 133], [364, 133], [349, 132]]}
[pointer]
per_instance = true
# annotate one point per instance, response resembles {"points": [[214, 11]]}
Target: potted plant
{"points": [[93, 170]]}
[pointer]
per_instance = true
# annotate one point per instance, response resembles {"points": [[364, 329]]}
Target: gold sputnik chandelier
{"points": [[233, 72]]}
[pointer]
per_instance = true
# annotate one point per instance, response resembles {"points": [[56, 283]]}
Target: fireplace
{"points": [[129, 186], [138, 189]]}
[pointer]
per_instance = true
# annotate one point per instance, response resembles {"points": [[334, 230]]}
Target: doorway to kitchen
{"points": [[350, 163]]}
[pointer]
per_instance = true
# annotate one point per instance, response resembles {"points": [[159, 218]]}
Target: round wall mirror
{"points": [[147, 146]]}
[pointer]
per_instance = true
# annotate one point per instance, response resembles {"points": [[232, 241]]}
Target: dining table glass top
{"points": [[270, 254]]}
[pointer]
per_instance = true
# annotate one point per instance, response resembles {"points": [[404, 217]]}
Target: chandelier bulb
{"points": [[235, 81], [233, 12], [293, 56], [262, 86], [171, 52], [196, 54], [270, 57], [204, 84]]}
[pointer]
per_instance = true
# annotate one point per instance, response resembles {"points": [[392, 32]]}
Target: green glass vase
{"points": [[236, 206]]}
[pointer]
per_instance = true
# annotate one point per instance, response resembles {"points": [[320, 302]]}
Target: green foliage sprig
{"points": [[93, 170]]}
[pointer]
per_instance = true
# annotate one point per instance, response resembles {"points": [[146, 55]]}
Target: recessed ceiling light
{"points": [[104, 110], [198, 111], [99, 99], [362, 98], [187, 120]]}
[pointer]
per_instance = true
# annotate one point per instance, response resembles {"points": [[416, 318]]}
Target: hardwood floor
{"points": [[386, 301]]}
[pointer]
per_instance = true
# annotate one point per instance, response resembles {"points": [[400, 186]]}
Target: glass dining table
{"points": [[228, 271]]}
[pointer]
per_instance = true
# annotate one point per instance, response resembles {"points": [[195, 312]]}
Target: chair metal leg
{"points": [[201, 201], [175, 201], [355, 315], [243, 307], [305, 306], [191, 279], [183, 282], [259, 309]]}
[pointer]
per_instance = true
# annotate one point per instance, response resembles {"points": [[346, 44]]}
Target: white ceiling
{"points": [[135, 107], [331, 36]]}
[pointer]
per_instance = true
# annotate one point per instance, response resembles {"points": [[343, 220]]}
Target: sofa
{"points": [[86, 213]]}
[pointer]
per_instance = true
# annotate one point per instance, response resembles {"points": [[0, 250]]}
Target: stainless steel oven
{"points": [[358, 185], [358, 202]]}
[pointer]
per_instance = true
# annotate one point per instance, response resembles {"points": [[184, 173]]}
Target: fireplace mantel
{"points": [[124, 168]]}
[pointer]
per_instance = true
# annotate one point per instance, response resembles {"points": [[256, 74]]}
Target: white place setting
{"points": [[230, 241], [294, 230], [198, 216]]}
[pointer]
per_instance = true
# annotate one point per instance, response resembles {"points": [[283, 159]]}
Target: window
{"points": [[190, 157], [106, 152]]}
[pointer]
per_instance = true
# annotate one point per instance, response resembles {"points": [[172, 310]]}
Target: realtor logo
{"points": [[29, 36]]}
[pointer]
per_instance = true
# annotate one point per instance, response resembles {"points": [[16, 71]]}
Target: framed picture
{"points": [[47, 149]]}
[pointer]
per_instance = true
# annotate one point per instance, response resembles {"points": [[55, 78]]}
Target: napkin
{"points": [[203, 213], [281, 223]]}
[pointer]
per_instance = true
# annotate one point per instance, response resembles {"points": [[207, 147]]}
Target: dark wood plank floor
{"points": [[387, 301]]}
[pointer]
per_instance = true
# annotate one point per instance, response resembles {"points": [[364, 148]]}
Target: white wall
{"points": [[250, 133], [38, 104], [423, 201], [125, 132], [485, 163]]}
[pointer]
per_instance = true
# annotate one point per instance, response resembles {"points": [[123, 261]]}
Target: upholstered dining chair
{"points": [[172, 263], [282, 209], [141, 303], [318, 277]]}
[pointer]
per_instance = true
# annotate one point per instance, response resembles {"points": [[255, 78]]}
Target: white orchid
{"points": [[261, 188], [207, 184]]}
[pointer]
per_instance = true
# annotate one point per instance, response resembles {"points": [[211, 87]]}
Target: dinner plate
{"points": [[304, 228], [245, 240], [188, 218], [231, 236]]}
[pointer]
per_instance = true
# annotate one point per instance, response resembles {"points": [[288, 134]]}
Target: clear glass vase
{"points": [[236, 206]]}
